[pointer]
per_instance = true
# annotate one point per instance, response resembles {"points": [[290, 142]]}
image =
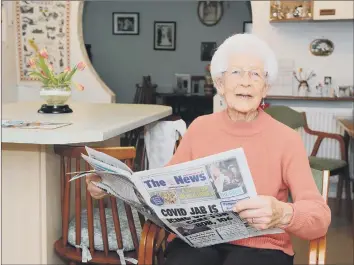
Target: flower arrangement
{"points": [[303, 80], [43, 70], [208, 79], [209, 84]]}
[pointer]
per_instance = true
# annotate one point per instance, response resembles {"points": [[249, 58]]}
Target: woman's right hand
{"points": [[95, 191]]}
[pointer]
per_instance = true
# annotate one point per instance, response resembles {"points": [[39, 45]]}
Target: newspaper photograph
{"points": [[193, 199]]}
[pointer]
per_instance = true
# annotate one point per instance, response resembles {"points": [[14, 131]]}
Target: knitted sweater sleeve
{"points": [[311, 215]]}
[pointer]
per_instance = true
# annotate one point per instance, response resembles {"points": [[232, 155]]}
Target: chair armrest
{"points": [[317, 251], [152, 240], [324, 135], [322, 250]]}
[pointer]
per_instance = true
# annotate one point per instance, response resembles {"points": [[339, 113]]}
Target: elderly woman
{"points": [[243, 68]]}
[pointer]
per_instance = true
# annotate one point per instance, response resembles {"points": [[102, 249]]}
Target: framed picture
{"points": [[207, 50], [49, 33], [321, 47], [125, 23], [210, 12], [344, 91], [197, 84], [327, 80], [165, 35], [183, 83], [247, 26]]}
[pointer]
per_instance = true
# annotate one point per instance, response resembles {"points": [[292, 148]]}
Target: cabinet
{"points": [[311, 10], [333, 10]]}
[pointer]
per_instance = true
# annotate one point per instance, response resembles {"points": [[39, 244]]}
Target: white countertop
{"points": [[92, 122]]}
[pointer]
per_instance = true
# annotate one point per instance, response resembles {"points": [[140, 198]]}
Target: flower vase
{"points": [[208, 90], [55, 98]]}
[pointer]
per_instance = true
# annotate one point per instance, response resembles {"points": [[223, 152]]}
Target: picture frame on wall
{"points": [[32, 24], [207, 50], [247, 26], [210, 12], [165, 35], [125, 23]]}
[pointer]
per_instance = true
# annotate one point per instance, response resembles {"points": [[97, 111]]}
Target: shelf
{"points": [[311, 98], [291, 11], [291, 20], [311, 20]]}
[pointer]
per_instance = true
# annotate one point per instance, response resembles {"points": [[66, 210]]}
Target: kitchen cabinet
{"points": [[333, 10], [311, 10]]}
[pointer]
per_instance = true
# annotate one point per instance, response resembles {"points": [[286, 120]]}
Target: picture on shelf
{"points": [[165, 35], [207, 51], [125, 23], [183, 83], [345, 91]]}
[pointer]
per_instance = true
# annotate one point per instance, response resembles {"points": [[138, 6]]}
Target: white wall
{"points": [[122, 60], [95, 89], [8, 62], [291, 40]]}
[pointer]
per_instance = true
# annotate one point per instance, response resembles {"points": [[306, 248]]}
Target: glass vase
{"points": [[55, 96]]}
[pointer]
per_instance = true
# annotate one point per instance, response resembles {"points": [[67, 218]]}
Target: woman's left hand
{"points": [[263, 212]]}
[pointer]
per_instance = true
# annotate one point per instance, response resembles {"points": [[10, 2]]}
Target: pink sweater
{"points": [[278, 162]]}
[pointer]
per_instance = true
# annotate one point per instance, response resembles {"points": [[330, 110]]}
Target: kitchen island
{"points": [[31, 201]]}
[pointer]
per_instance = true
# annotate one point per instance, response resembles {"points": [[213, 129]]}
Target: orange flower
{"points": [[43, 53], [67, 69], [32, 63], [79, 87], [81, 66], [43, 73]]}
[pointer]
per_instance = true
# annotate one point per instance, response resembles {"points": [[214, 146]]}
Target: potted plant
{"points": [[209, 85], [56, 87]]}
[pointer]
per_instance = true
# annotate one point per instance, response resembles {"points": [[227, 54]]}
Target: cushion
{"points": [[320, 163], [112, 241]]}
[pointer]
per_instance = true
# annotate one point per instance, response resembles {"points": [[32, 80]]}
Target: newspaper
{"points": [[20, 124], [194, 199]]}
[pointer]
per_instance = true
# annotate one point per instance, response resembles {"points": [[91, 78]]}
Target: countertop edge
{"points": [[87, 137]]}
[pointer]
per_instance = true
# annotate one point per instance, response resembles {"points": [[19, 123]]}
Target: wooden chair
{"points": [[296, 120], [82, 200], [153, 238], [317, 247]]}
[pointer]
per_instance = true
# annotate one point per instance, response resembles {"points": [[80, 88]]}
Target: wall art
{"points": [[210, 12], [321, 47], [165, 35], [125, 23], [207, 50], [48, 24]]}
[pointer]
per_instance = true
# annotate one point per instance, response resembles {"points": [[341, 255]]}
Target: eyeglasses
{"points": [[256, 75]]}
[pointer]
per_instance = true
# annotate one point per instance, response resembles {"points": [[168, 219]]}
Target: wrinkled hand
{"points": [[95, 191], [263, 212]]}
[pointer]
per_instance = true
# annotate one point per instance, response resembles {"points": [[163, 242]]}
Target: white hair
{"points": [[247, 43]]}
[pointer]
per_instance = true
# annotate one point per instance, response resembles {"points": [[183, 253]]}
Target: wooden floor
{"points": [[340, 245]]}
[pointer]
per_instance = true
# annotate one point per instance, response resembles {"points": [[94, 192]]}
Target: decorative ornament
{"points": [[321, 47]]}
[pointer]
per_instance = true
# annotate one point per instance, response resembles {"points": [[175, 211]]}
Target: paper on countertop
{"points": [[20, 124]]}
